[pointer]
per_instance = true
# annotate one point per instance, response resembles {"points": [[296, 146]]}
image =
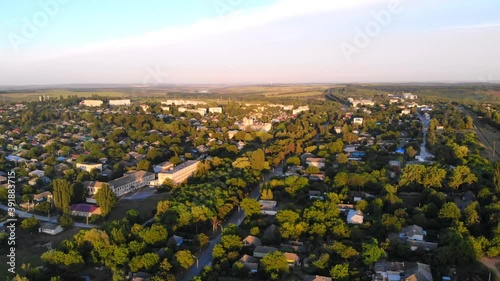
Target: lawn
{"points": [[146, 206], [28, 248]]}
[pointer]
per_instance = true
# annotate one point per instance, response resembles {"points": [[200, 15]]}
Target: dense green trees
{"points": [[62, 194], [274, 265], [106, 199]]}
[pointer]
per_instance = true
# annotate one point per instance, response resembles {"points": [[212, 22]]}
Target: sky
{"points": [[153, 42]]}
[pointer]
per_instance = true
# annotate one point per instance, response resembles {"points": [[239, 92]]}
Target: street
{"points": [[24, 214]]}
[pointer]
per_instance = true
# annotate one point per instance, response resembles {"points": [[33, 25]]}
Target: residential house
{"points": [[36, 173], [407, 271], [292, 259], [84, 210], [413, 232], [252, 263], [355, 217], [50, 228], [251, 240], [261, 251], [43, 197], [316, 278], [357, 121], [317, 162]]}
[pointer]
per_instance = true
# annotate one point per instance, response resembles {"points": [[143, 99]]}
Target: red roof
{"points": [[87, 208]]}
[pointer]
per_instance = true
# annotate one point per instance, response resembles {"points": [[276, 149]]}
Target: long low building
{"points": [[131, 182], [179, 173], [119, 102]]}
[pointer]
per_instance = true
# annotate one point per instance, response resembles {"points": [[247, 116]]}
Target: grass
{"points": [[145, 206], [27, 251]]}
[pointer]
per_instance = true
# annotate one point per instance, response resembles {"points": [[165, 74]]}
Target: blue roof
{"points": [[400, 150]]}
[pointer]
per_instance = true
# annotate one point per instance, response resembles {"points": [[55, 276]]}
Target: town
{"points": [[355, 182]]}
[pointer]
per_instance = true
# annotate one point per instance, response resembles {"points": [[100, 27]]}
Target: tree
{"points": [[70, 262], [411, 152], [62, 194], [154, 235], [461, 175], [275, 265], [293, 161], [66, 221], [144, 165], [496, 175], [372, 252], [184, 258], [106, 199], [342, 158], [30, 224], [312, 170], [258, 160], [250, 206], [175, 160], [266, 194], [449, 211], [340, 272]]}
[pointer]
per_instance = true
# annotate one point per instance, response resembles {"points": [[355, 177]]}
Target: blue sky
{"points": [[248, 41]]}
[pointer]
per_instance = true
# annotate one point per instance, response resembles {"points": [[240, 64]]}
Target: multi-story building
{"points": [[89, 166], [95, 103], [163, 167], [92, 187], [180, 173], [131, 182], [215, 109], [119, 102]]}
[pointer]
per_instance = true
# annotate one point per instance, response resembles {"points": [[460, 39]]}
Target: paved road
{"points": [[424, 154], [24, 214], [205, 257]]}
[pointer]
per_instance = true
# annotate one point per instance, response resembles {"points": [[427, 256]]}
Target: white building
{"points": [[316, 162], [50, 228], [409, 96], [131, 182], [119, 102], [215, 109], [357, 121], [94, 103], [92, 188], [300, 109], [180, 173], [89, 166], [183, 102], [163, 167]]}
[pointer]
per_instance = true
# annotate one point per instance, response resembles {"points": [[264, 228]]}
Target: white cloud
{"points": [[238, 20]]}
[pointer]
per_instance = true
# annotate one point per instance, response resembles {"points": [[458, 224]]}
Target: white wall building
{"points": [[94, 103], [89, 166], [180, 173], [50, 228], [119, 102], [131, 182], [215, 109]]}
